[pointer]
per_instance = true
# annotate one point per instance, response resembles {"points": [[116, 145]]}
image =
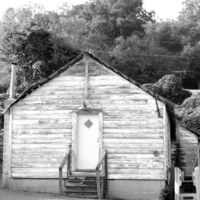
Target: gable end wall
{"points": [[133, 133]]}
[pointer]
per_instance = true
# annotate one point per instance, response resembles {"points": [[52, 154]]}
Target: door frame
{"points": [[75, 133]]}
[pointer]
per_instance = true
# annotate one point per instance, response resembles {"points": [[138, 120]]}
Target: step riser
{"points": [[188, 196], [82, 196], [83, 187], [86, 192], [81, 183]]}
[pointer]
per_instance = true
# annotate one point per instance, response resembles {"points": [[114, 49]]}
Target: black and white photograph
{"points": [[100, 99]]}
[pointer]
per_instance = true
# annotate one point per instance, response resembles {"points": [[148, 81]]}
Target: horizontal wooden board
{"points": [[44, 151], [39, 112], [35, 170], [63, 145], [42, 136], [140, 135], [35, 175], [42, 126], [42, 116], [146, 165], [36, 165], [46, 131], [137, 171], [135, 156], [28, 160], [47, 141], [131, 145], [138, 176], [134, 151], [135, 141], [132, 131]]}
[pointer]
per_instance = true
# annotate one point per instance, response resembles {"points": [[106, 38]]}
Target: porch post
{"points": [[177, 183], [197, 181], [197, 173]]}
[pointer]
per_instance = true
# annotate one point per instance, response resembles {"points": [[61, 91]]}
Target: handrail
{"points": [[65, 159], [103, 158], [195, 162]]}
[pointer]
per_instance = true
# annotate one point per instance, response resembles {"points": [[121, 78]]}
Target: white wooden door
{"points": [[87, 141]]}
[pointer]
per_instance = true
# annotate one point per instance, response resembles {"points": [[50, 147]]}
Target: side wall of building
{"points": [[188, 148]]}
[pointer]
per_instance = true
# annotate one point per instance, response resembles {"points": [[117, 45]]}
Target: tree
{"points": [[191, 11], [166, 34], [108, 20], [38, 52]]}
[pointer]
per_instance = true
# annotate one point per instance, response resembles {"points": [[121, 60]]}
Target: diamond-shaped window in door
{"points": [[88, 123]]}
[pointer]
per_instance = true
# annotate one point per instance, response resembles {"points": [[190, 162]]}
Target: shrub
{"points": [[170, 87], [189, 112]]}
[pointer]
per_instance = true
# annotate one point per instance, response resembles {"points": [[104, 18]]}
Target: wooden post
{"points": [[196, 181], [171, 180], [98, 184], [12, 81], [7, 141], [60, 181], [106, 176], [177, 182], [196, 173]]}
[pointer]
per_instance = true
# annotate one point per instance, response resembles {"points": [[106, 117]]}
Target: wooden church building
{"points": [[87, 130]]}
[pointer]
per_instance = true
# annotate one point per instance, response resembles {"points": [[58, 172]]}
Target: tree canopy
{"points": [[120, 32]]}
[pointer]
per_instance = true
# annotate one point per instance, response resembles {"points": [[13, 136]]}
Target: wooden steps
{"points": [[188, 190], [84, 184], [188, 196], [81, 187]]}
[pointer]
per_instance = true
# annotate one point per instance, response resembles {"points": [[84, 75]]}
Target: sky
{"points": [[165, 9]]}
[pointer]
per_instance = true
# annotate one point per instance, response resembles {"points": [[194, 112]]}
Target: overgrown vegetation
{"points": [[189, 112], [170, 87]]}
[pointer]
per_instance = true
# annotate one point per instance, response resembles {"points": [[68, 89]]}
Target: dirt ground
{"points": [[10, 195]]}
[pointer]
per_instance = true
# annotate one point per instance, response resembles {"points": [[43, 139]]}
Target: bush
{"points": [[170, 87], [189, 112]]}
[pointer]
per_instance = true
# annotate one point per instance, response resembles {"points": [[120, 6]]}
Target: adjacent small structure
{"points": [[88, 107], [187, 163]]}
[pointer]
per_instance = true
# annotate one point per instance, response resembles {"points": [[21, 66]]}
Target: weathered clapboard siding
{"points": [[133, 133], [188, 146], [167, 140]]}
